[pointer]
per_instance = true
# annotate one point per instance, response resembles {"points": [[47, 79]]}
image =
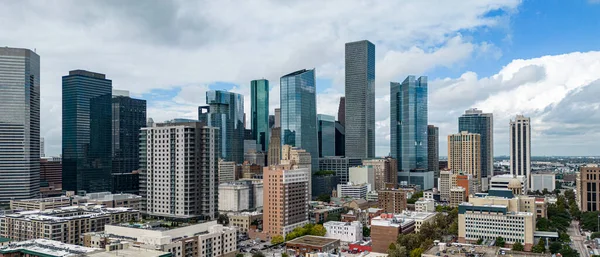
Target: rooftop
{"points": [[317, 241], [51, 248], [459, 250], [67, 213], [390, 220], [132, 252]]}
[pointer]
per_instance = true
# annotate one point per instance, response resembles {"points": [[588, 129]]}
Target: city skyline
{"points": [[488, 49]]}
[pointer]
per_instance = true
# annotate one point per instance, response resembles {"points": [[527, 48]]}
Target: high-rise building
{"points": [[464, 155], [339, 165], [475, 121], [326, 134], [128, 117], [360, 99], [277, 115], [87, 132], [299, 113], [520, 148], [42, 147], [588, 188], [50, 177], [271, 121], [228, 171], [408, 119], [225, 111], [180, 163], [274, 154], [259, 105], [286, 199], [19, 124], [433, 151], [299, 158], [386, 174], [340, 139], [392, 201], [342, 111]]}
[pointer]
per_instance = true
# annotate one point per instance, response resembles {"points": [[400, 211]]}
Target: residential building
{"points": [[588, 188], [105, 199], [392, 201], [19, 124], [464, 155], [468, 183], [362, 175], [175, 150], [447, 181], [541, 181], [433, 151], [520, 148], [244, 220], [274, 154], [225, 111], [386, 228], [294, 156], [65, 224], [340, 165], [502, 181], [352, 190], [228, 171], [425, 205], [302, 246], [286, 197], [259, 106], [45, 247], [241, 195], [385, 171], [344, 231], [86, 132], [408, 133], [128, 117], [326, 135], [458, 195], [340, 140], [420, 218], [50, 176], [359, 107], [476, 122], [341, 115]]}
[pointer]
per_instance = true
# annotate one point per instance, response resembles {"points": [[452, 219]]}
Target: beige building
{"points": [[464, 155], [274, 152], [458, 195], [228, 171], [105, 199], [446, 182], [425, 205], [588, 188], [301, 159], [244, 220], [420, 218], [385, 171]]}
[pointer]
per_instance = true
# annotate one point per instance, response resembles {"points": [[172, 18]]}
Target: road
{"points": [[577, 239]]}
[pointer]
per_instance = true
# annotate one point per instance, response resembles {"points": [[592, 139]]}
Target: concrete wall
{"points": [[158, 237]]}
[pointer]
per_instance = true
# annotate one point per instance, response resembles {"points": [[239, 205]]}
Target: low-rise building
{"points": [[392, 201], [385, 230], [319, 213], [312, 244], [502, 181], [243, 221], [420, 218], [457, 196], [352, 190], [344, 231], [425, 205], [105, 199]]}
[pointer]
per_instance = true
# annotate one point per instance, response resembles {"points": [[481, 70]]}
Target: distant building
{"points": [[520, 148], [352, 190], [386, 228], [541, 181], [274, 154], [385, 171], [392, 201], [326, 135], [420, 218], [425, 205], [254, 157], [458, 195], [588, 188], [242, 195], [464, 151], [475, 121], [105, 199], [340, 165], [341, 115], [344, 231], [244, 220], [433, 151], [340, 139], [50, 177], [228, 171], [362, 175], [46, 247], [259, 105], [502, 181], [302, 246]]}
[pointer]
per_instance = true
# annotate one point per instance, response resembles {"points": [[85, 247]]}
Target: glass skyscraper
{"points": [[326, 134], [128, 117], [86, 131], [259, 105], [225, 111], [360, 100], [19, 124], [475, 121], [408, 124], [299, 113]]}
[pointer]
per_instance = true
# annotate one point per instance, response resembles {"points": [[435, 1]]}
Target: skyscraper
{"points": [[408, 119], [274, 154], [259, 101], [86, 131], [360, 99], [342, 111], [464, 151], [475, 121], [225, 111], [520, 147], [42, 147], [433, 151], [326, 134], [277, 115], [299, 113], [128, 117], [19, 124], [340, 139]]}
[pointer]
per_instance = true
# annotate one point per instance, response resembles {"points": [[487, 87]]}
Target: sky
{"points": [[538, 58]]}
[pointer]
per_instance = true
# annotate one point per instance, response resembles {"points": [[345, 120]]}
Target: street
{"points": [[577, 239]]}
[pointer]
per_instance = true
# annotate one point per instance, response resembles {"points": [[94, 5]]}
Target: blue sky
{"points": [[533, 57]]}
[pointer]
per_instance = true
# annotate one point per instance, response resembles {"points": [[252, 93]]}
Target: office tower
{"points": [[259, 105], [520, 147], [392, 201], [340, 165], [433, 151], [385, 171], [128, 117], [588, 188], [475, 121], [87, 132], [326, 134], [227, 171], [225, 111], [271, 121], [301, 159], [50, 176], [171, 184], [342, 111], [340, 140], [464, 151], [19, 124], [408, 119], [274, 154], [285, 199], [299, 113], [360, 99], [42, 147], [277, 115], [254, 157]]}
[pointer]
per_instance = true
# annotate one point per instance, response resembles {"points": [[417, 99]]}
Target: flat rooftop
{"points": [[317, 241], [480, 250], [131, 252], [45, 247]]}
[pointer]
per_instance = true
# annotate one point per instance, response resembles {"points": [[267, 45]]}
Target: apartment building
{"points": [[464, 155], [105, 199], [243, 221], [344, 231], [392, 201]]}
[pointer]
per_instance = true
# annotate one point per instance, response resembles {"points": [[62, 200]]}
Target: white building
{"points": [[428, 194], [353, 190], [541, 181], [501, 182], [420, 218], [344, 231], [226, 171], [520, 148], [425, 205], [362, 175], [235, 196]]}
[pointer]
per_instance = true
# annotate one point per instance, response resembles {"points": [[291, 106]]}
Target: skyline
{"points": [[481, 55]]}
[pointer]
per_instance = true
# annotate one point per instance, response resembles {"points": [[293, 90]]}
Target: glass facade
{"points": [[326, 134], [86, 132], [299, 113], [433, 151], [259, 105], [225, 111], [128, 117], [360, 99], [19, 124], [340, 139], [475, 121], [408, 119]]}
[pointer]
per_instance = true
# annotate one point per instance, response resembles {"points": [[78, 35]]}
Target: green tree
{"points": [[366, 231], [555, 247], [595, 235], [284, 255], [223, 219], [415, 197], [479, 241], [518, 247], [239, 255], [567, 251], [542, 224], [258, 254], [416, 252], [395, 250], [564, 237], [500, 242], [539, 247], [324, 198], [318, 230], [278, 239]]}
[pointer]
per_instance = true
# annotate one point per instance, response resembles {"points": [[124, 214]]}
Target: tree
{"points": [[415, 197], [239, 255], [479, 241], [555, 247], [500, 242], [595, 235], [324, 198], [542, 224], [318, 230], [223, 219], [567, 251], [518, 247], [564, 237], [278, 239], [284, 255], [258, 254], [395, 250], [333, 217], [539, 248], [366, 231], [545, 191], [416, 252]]}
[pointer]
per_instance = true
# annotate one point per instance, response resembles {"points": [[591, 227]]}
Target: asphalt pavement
{"points": [[578, 239]]}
